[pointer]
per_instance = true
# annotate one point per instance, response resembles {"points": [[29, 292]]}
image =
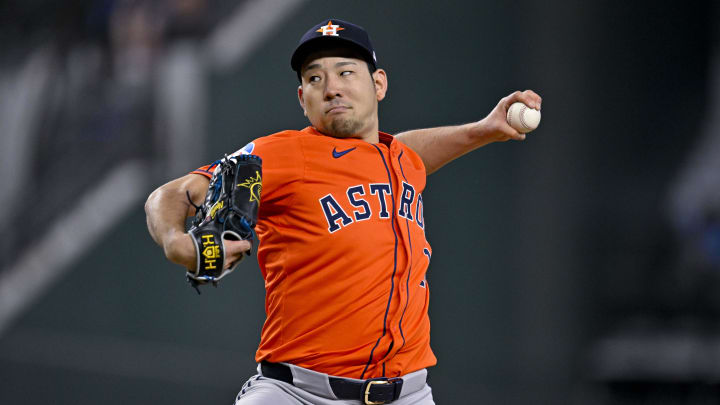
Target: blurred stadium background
{"points": [[579, 267]]}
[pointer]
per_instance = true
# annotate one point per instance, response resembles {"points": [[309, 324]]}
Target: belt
{"points": [[371, 391]]}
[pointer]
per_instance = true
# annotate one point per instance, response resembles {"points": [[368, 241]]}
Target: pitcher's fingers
{"points": [[237, 246], [530, 99]]}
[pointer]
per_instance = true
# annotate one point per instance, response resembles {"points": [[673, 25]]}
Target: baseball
{"points": [[523, 118]]}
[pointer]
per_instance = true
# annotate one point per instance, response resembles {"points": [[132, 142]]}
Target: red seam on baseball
{"points": [[522, 117]]}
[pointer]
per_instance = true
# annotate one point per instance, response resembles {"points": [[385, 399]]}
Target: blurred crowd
{"points": [[87, 85]]}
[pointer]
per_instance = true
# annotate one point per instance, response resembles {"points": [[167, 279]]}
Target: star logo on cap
{"points": [[330, 29]]}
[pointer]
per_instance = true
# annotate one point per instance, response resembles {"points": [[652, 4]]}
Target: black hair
{"points": [[357, 52]]}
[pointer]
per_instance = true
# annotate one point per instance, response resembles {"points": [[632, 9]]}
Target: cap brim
{"points": [[319, 43]]}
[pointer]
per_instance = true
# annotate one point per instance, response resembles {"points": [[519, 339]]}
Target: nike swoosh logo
{"points": [[337, 154]]}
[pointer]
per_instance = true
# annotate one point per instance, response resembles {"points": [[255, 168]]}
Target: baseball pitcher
{"points": [[336, 211]]}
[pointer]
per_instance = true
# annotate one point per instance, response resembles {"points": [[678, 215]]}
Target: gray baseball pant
{"points": [[312, 388]]}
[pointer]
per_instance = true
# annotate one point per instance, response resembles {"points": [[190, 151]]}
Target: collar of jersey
{"points": [[384, 138]]}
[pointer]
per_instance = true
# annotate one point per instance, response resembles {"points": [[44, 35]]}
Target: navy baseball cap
{"points": [[333, 32]]}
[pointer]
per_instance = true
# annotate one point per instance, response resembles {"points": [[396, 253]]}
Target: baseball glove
{"points": [[229, 212]]}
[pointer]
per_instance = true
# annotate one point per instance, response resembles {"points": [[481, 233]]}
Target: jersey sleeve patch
{"points": [[248, 149]]}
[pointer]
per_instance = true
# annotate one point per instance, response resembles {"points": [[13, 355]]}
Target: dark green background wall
{"points": [[528, 237]]}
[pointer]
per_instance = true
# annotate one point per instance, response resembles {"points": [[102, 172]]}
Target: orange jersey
{"points": [[343, 254]]}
